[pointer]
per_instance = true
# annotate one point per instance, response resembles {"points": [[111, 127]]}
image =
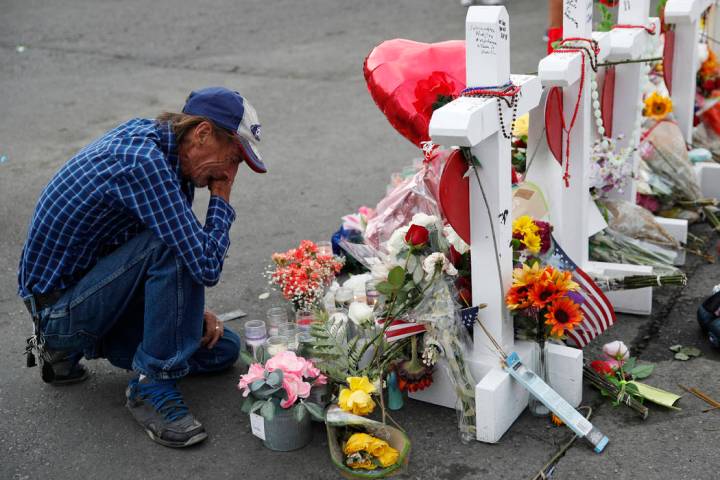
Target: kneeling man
{"points": [[115, 264]]}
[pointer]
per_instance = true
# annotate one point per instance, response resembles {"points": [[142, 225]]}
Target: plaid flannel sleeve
{"points": [[148, 188]]}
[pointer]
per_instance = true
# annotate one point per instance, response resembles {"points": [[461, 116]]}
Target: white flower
{"points": [[617, 350], [360, 313], [455, 240], [397, 241], [423, 220], [433, 260]]}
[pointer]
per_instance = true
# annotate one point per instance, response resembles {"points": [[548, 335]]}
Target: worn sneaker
{"points": [[158, 406], [62, 367]]}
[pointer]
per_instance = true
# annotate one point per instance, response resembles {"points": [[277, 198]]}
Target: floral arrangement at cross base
{"points": [[302, 274], [284, 382]]}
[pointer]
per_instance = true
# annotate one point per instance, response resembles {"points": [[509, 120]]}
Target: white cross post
{"points": [[475, 123], [685, 15], [573, 213], [632, 44]]}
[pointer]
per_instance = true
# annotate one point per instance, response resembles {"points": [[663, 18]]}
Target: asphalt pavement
{"points": [[72, 69]]}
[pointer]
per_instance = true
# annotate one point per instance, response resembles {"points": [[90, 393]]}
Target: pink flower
{"points": [[617, 350], [255, 373], [295, 388], [288, 362], [320, 380]]}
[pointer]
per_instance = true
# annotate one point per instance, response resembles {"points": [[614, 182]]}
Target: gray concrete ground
{"points": [[89, 65]]}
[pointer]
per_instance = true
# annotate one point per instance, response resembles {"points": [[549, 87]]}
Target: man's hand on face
{"points": [[213, 330], [222, 187]]}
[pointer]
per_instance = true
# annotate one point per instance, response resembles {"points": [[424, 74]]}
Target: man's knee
{"points": [[228, 347]]}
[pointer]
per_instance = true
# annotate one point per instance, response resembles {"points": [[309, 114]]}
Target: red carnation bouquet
{"points": [[302, 274]]}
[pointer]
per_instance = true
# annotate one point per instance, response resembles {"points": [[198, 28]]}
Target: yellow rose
{"points": [[389, 457], [357, 399], [532, 242], [357, 442], [356, 402], [361, 383]]}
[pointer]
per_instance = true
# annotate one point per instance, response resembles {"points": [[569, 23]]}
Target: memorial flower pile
{"points": [[302, 274]]}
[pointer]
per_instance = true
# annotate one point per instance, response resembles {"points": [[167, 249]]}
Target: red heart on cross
{"points": [[407, 78]]}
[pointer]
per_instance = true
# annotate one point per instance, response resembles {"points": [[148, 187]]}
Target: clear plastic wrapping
{"points": [[637, 222]]}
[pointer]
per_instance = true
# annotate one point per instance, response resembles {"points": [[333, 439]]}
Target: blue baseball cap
{"points": [[229, 110]]}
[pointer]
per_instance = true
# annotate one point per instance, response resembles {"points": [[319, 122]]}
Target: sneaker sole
{"points": [[71, 381], [195, 439]]}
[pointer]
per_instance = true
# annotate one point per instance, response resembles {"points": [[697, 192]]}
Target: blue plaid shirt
{"points": [[124, 182]]}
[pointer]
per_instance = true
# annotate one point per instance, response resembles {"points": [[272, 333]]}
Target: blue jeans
{"points": [[139, 308]]}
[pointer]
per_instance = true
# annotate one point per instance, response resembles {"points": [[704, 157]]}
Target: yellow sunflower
{"points": [[657, 106], [524, 225], [526, 275], [532, 242]]}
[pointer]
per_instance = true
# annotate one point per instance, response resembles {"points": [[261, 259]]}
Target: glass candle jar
{"points": [[255, 337], [275, 316], [304, 342], [304, 319], [289, 330], [324, 248], [276, 344], [371, 292]]}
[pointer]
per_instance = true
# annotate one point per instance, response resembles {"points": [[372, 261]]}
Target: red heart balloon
{"points": [[406, 78], [608, 100], [454, 194]]}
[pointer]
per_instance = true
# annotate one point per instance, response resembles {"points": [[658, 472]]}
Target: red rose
{"points": [[709, 85], [417, 236], [601, 367], [610, 3]]}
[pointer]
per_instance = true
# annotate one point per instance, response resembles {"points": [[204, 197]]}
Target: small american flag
{"points": [[597, 310], [400, 329]]}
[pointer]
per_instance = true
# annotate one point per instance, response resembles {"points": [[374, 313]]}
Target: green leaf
{"points": [[257, 385], [246, 358], [315, 411], [629, 364], [385, 288], [691, 351], [275, 378], [247, 404], [257, 406], [396, 277], [676, 348], [268, 410], [299, 412], [642, 371], [681, 356], [631, 389]]}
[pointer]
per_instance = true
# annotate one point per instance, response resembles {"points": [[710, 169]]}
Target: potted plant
{"points": [[277, 392]]}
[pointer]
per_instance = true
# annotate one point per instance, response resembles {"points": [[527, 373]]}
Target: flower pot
{"points": [[284, 433]]}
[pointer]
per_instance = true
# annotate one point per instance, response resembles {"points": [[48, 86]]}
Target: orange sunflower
{"points": [[562, 280], [563, 315], [543, 293], [517, 297]]}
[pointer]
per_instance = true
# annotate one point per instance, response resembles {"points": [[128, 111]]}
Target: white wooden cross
{"points": [[685, 15], [573, 213], [630, 79], [475, 123]]}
